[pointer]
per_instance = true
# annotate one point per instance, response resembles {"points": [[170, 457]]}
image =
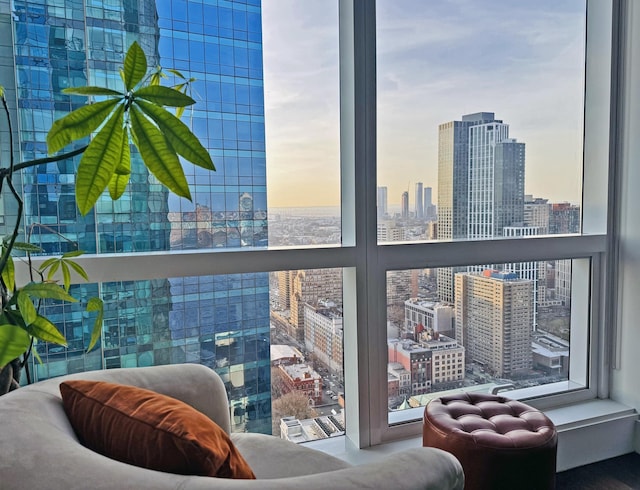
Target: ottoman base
{"points": [[501, 443]]}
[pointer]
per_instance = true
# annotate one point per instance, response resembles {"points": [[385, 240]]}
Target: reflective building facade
{"points": [[219, 321]]}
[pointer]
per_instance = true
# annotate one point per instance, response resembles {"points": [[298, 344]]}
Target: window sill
{"points": [[610, 423]]}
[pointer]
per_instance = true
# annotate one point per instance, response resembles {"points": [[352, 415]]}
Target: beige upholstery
{"points": [[38, 448]]}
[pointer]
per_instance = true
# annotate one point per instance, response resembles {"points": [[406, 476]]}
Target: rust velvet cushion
{"points": [[147, 429]]}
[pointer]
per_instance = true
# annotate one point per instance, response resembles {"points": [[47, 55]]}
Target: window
{"points": [[222, 245]]}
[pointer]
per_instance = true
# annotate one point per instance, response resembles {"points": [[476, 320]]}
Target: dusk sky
{"points": [[437, 60]]}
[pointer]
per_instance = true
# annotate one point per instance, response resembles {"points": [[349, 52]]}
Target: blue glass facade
{"points": [[220, 321]]}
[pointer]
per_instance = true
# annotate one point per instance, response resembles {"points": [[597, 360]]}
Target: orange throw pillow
{"points": [[147, 429]]}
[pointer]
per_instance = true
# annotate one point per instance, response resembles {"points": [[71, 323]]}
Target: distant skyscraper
{"points": [[219, 321], [453, 188], [405, 204], [496, 181], [419, 201], [453, 174], [536, 213], [494, 320], [429, 208], [480, 183], [382, 202]]}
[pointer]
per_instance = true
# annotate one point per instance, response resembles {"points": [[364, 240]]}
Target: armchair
{"points": [[40, 450]]}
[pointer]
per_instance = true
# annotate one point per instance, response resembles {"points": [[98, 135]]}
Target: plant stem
{"points": [[6, 174], [55, 158]]}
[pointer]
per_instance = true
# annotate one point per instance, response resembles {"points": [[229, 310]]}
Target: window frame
{"points": [[365, 262]]}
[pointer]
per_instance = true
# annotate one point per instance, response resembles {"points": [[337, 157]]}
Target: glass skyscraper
{"points": [[219, 321]]}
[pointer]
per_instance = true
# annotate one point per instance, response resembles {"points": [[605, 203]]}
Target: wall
{"points": [[625, 385]]}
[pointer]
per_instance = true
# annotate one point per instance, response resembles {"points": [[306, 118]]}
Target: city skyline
{"points": [[529, 70]]}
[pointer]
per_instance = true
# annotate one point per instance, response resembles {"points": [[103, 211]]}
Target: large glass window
{"points": [[385, 172], [509, 328], [480, 119]]}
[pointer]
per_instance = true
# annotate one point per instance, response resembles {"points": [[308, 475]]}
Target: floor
{"points": [[621, 473]]}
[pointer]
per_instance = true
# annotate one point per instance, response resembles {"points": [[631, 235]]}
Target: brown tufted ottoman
{"points": [[501, 443]]}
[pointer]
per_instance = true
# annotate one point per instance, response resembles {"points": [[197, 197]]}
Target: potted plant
{"points": [[137, 116]]}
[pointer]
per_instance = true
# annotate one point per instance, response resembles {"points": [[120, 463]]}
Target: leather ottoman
{"points": [[501, 443]]}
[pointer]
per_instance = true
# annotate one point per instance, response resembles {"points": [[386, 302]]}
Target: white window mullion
{"points": [[361, 287]]}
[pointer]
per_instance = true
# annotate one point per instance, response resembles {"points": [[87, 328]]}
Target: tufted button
{"points": [[501, 443]]}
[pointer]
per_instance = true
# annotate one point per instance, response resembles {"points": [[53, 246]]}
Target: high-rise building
{"points": [[405, 205], [480, 183], [563, 281], [453, 188], [453, 174], [536, 213], [494, 320], [429, 208], [311, 286], [496, 181], [219, 321], [401, 285], [535, 271], [419, 205], [285, 286], [382, 202], [323, 335], [564, 218]]}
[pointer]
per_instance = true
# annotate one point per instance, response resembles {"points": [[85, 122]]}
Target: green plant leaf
{"points": [[14, 341], [35, 354], [13, 317], [95, 304], [9, 274], [53, 269], [27, 308], [78, 268], [73, 253], [92, 91], [48, 290], [157, 155], [99, 161], [124, 165], [48, 263], [156, 76], [26, 247], [43, 329], [163, 96], [135, 66], [176, 73], [117, 186], [78, 124], [181, 139], [66, 275]]}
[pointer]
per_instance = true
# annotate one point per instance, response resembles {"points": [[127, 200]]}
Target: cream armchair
{"points": [[38, 448]]}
